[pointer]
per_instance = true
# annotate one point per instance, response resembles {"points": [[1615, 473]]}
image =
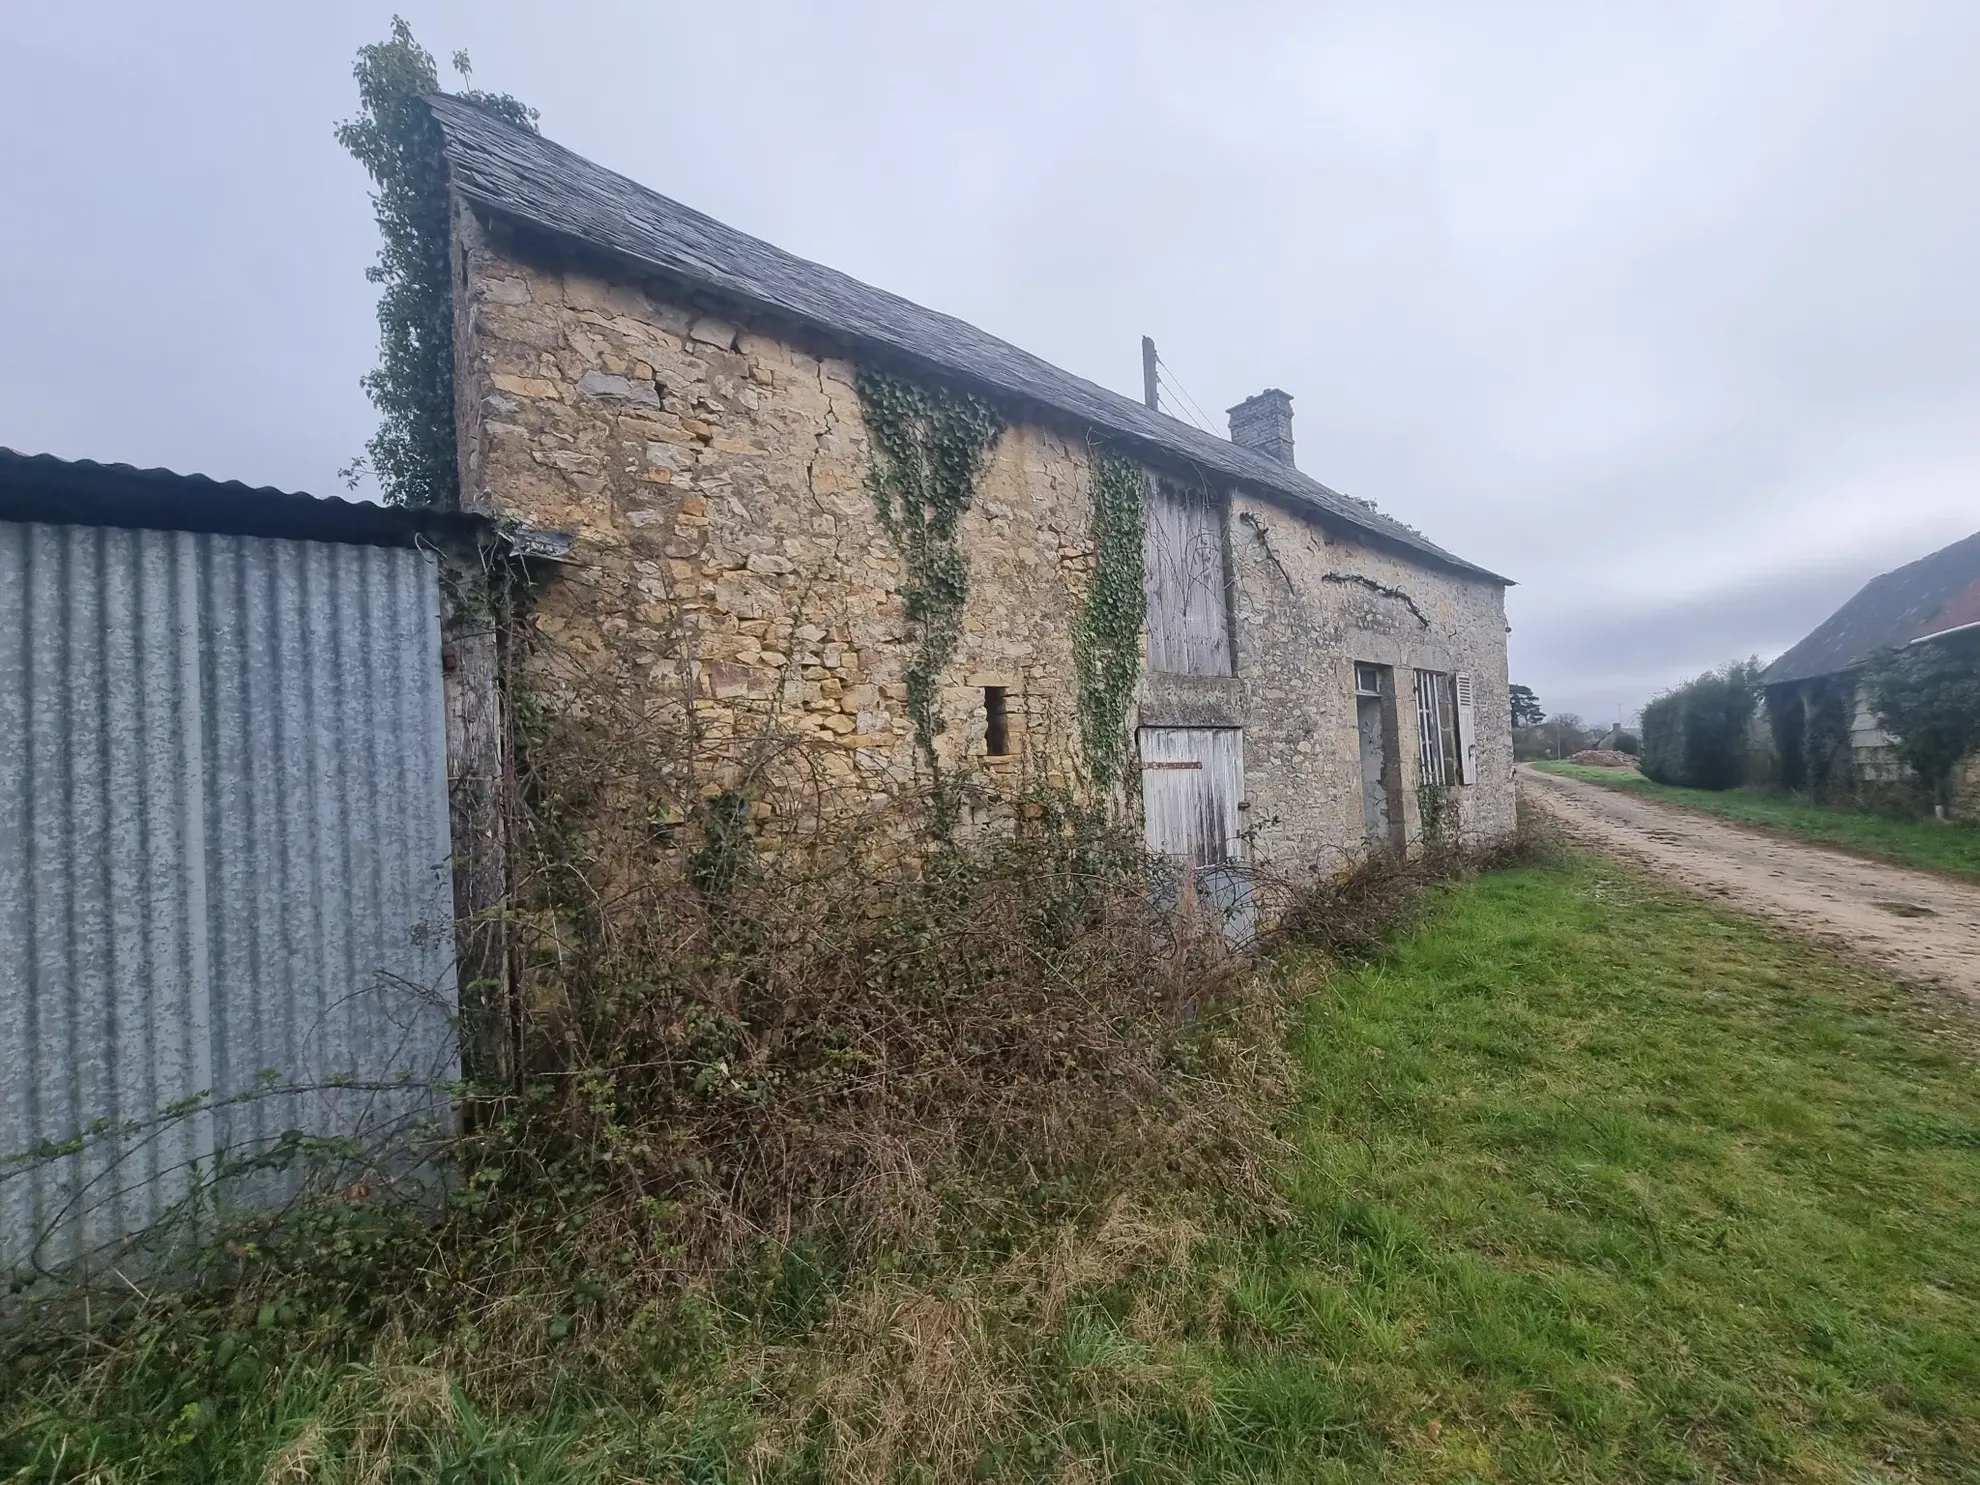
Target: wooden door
{"points": [[1192, 782], [1375, 826]]}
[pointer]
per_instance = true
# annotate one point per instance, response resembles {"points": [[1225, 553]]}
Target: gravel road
{"points": [[1911, 923]]}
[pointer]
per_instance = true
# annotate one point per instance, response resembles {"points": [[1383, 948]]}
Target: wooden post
{"points": [[1151, 382]]}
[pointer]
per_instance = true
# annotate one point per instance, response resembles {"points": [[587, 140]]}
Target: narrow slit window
{"points": [[996, 722]]}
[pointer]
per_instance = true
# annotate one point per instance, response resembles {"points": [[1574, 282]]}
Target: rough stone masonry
{"points": [[709, 459]]}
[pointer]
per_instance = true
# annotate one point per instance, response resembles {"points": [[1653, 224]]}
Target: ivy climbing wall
{"points": [[732, 542], [819, 568]]}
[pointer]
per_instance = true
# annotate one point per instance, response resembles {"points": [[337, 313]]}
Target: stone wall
{"points": [[726, 546], [728, 563], [1310, 605]]}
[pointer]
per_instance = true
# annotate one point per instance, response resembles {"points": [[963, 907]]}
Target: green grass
{"points": [[1590, 1183], [1951, 849], [1601, 1184]]}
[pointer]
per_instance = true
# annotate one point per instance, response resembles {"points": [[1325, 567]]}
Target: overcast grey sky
{"points": [[1664, 309]]}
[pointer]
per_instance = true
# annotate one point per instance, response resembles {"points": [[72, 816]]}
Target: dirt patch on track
{"points": [[1910, 923]]}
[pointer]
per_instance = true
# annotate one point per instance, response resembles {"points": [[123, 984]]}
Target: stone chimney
{"points": [[1264, 423]]}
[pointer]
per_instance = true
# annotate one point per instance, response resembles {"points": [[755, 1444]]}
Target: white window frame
{"points": [[1436, 729]]}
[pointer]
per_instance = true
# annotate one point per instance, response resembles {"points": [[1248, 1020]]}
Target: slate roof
{"points": [[81, 492], [529, 179], [1923, 597]]}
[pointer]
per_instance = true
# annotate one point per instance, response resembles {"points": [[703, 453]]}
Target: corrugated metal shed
{"points": [[224, 856], [82, 492]]}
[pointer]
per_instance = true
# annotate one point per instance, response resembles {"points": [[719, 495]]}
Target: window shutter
{"points": [[1467, 731], [1189, 627]]}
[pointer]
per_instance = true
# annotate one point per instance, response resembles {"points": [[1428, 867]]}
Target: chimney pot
{"points": [[1264, 424]]}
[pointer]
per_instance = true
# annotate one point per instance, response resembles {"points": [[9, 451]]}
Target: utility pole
{"points": [[1151, 384]]}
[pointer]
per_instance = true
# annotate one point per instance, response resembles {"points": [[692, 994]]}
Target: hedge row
{"points": [[1696, 735]]}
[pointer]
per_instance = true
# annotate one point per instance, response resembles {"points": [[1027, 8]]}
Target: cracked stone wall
{"points": [[727, 559], [1308, 606]]}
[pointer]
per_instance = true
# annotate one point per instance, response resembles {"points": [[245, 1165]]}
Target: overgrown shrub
{"points": [[1696, 735], [1809, 724], [850, 1105], [1350, 914]]}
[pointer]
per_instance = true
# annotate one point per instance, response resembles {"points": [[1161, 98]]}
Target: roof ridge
{"points": [[1886, 610], [550, 186]]}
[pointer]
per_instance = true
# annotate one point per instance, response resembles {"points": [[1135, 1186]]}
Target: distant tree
{"points": [[1928, 698], [1525, 707], [397, 141]]}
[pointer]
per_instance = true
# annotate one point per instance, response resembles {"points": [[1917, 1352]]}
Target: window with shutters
{"points": [[1437, 729], [1189, 627]]}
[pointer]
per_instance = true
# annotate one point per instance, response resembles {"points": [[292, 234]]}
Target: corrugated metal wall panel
{"points": [[223, 856]]}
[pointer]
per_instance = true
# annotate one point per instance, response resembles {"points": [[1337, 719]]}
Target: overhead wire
{"points": [[1195, 412]]}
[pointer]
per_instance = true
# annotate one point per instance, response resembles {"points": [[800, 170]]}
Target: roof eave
{"points": [[46, 490], [1150, 451]]}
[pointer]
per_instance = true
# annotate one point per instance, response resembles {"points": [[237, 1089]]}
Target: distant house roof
{"points": [[81, 492], [527, 178], [1921, 598]]}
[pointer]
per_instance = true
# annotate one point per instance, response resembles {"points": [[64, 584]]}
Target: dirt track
{"points": [[1913, 924]]}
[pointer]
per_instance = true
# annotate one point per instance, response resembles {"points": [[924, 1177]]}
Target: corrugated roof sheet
{"points": [[1919, 598], [528, 178], [82, 492]]}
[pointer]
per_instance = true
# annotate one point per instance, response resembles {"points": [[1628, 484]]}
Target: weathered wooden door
{"points": [[1192, 782], [1381, 762], [1189, 621], [1374, 787]]}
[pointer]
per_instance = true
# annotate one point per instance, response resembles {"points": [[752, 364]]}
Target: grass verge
{"points": [[1598, 1183], [1949, 849], [1585, 1182]]}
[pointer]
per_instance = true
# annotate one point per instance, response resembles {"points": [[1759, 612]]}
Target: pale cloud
{"points": [[1663, 310]]}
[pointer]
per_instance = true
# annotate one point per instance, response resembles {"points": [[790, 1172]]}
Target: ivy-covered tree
{"points": [[1526, 710], [397, 141], [1928, 698]]}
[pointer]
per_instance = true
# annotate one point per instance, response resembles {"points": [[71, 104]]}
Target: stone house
{"points": [[681, 404], [1822, 734]]}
